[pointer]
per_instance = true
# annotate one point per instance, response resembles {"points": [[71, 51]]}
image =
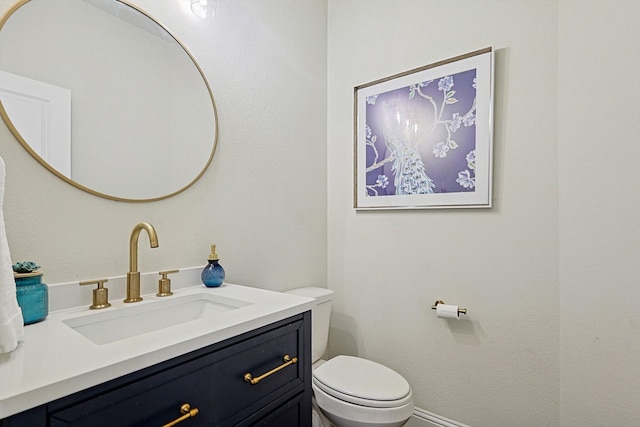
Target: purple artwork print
{"points": [[421, 139]]}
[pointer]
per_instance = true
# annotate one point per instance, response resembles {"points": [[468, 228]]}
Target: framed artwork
{"points": [[423, 138]]}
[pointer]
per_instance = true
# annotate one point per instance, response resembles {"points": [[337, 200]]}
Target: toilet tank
{"points": [[320, 316]]}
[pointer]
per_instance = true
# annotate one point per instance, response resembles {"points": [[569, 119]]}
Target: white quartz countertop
{"points": [[53, 360]]}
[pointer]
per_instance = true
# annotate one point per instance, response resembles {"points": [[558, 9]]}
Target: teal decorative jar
{"points": [[33, 296]]}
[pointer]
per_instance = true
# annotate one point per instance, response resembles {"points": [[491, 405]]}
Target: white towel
{"points": [[11, 322]]}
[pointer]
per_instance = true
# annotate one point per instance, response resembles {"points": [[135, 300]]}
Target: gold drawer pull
{"points": [[186, 412], [288, 361]]}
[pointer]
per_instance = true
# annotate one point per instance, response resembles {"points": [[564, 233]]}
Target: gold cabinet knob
{"points": [[186, 412]]}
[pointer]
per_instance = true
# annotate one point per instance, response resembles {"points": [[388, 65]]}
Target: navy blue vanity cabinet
{"points": [[211, 379]]}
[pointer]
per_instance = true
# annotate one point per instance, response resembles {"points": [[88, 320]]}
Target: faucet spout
{"points": [[133, 276]]}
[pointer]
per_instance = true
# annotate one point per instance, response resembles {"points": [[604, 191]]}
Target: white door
{"points": [[41, 113]]}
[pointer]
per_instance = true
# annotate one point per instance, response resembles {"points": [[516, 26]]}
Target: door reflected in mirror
{"points": [[105, 98]]}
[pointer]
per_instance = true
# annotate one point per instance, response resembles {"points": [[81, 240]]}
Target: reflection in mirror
{"points": [[105, 98]]}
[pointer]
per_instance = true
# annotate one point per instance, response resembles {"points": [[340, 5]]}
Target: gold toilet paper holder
{"points": [[435, 305]]}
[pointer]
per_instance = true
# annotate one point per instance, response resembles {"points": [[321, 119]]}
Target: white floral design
{"points": [[382, 181], [440, 150], [466, 180]]}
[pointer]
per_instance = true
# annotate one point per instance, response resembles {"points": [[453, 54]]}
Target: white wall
{"points": [[263, 199], [599, 106], [498, 367], [541, 272]]}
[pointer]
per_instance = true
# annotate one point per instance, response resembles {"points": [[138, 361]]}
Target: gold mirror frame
{"points": [[51, 169]]}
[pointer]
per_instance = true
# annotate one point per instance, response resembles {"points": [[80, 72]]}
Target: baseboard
{"points": [[422, 418]]}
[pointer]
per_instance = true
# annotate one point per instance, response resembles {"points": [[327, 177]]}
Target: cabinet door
{"points": [[294, 412], [33, 417], [214, 384]]}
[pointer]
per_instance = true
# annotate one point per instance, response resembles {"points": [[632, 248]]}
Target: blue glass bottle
{"points": [[213, 274], [33, 297]]}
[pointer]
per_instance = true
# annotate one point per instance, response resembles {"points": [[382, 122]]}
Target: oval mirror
{"points": [[105, 98]]}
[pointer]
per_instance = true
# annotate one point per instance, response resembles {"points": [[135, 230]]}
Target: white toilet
{"points": [[352, 391]]}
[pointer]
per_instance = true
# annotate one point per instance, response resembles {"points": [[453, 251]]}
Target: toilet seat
{"points": [[362, 382]]}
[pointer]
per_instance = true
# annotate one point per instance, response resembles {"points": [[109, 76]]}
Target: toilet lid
{"points": [[362, 381]]}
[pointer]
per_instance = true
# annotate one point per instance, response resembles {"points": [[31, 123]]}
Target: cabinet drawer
{"points": [[213, 383]]}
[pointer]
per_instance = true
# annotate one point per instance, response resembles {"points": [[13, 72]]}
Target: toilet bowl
{"points": [[354, 392], [351, 391]]}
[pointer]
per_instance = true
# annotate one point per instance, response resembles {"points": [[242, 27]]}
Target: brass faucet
{"points": [[133, 276]]}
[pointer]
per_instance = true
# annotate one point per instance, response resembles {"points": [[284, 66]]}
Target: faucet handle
{"points": [[100, 294], [164, 284]]}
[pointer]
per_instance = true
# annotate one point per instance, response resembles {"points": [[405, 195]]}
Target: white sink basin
{"points": [[115, 324]]}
